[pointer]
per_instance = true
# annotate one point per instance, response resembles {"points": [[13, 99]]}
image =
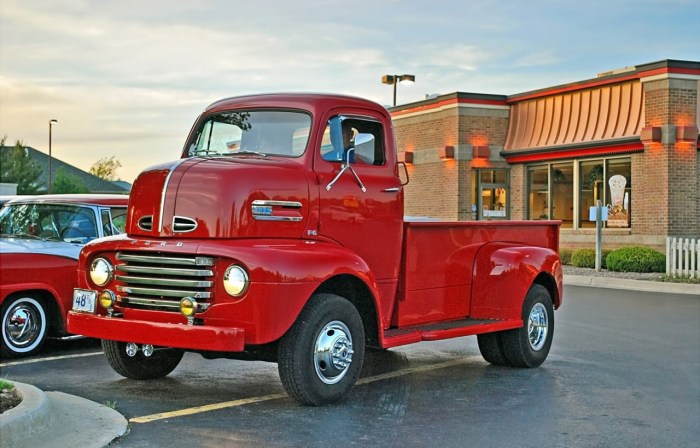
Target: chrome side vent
{"points": [[182, 224], [146, 223]]}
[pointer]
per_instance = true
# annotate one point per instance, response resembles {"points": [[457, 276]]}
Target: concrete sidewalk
{"points": [[632, 285], [48, 419]]}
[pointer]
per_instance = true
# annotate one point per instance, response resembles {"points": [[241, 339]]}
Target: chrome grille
{"points": [[160, 281]]}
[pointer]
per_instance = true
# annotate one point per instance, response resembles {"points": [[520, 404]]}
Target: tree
{"points": [[17, 167], [106, 168], [65, 183]]}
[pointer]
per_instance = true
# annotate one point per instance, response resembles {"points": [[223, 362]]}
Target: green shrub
{"points": [[636, 259], [585, 258], [565, 255]]}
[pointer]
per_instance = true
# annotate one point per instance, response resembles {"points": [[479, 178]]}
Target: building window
{"points": [[538, 192], [553, 191], [490, 194]]}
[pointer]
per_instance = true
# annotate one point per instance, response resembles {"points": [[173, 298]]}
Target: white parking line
{"points": [[244, 401], [53, 358]]}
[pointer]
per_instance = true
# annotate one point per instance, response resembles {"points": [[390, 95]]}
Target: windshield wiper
{"points": [[30, 237], [245, 152]]}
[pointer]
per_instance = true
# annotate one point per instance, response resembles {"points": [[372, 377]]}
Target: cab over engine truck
{"points": [[279, 235]]}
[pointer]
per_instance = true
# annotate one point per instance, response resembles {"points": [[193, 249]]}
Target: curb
{"points": [[634, 285], [58, 419], [29, 417]]}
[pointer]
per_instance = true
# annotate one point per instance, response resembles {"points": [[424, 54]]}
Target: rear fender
{"points": [[503, 274]]}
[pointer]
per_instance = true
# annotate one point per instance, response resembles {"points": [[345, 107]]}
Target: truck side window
{"points": [[365, 136]]}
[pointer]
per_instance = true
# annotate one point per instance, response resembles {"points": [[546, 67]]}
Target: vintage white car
{"points": [[40, 240]]}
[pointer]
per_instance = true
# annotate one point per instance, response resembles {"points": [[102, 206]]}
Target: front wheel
{"points": [[139, 366], [321, 356], [529, 346], [24, 325]]}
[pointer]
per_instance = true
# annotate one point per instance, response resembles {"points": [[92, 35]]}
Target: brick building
{"points": [[628, 137]]}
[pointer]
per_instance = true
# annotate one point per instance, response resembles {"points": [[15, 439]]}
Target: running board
{"points": [[446, 330]]}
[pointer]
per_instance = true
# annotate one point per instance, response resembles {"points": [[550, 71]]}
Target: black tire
{"points": [[24, 325], [305, 362], [529, 346], [491, 348], [140, 367]]}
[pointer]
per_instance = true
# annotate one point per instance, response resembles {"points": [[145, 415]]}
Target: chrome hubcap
{"points": [[333, 352], [23, 325], [537, 326]]}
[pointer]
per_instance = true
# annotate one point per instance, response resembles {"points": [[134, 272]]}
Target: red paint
{"points": [[403, 276], [514, 157]]}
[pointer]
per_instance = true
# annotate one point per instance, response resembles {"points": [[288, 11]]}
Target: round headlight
{"points": [[235, 280], [101, 271]]}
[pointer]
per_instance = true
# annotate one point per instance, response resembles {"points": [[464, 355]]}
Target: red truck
{"points": [[279, 235]]}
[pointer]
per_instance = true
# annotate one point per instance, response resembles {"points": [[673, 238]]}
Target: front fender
{"points": [[503, 274], [283, 276]]}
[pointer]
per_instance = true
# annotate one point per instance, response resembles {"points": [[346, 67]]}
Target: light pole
{"points": [[395, 79], [52, 122]]}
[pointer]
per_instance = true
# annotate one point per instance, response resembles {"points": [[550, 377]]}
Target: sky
{"points": [[126, 79]]}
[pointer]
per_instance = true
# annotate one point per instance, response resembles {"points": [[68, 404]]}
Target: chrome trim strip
{"points": [[164, 292], [285, 204], [162, 194], [164, 282], [391, 190], [277, 218], [160, 303], [196, 261], [164, 271]]}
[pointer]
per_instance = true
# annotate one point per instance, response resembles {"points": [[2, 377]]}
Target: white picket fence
{"points": [[683, 256]]}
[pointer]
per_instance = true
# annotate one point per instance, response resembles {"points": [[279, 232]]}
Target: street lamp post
{"points": [[395, 79], [51, 123]]}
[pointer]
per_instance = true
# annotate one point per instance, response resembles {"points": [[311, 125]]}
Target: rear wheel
{"points": [[24, 325], [140, 366], [529, 346], [491, 348], [320, 357]]}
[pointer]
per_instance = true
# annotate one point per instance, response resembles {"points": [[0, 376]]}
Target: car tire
{"points": [[24, 325], [140, 367], [320, 358], [529, 346]]}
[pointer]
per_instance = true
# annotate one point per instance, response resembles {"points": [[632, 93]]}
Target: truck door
{"points": [[369, 222]]}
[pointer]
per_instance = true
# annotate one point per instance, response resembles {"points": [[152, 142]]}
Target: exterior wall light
{"points": [[481, 152], [651, 134], [686, 133], [447, 152], [406, 157]]}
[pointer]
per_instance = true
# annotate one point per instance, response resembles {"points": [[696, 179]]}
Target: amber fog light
{"points": [[107, 299], [235, 280], [101, 271], [188, 306]]}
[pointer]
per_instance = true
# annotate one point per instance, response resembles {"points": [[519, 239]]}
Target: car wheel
{"points": [[529, 346], [138, 366], [321, 356], [24, 325]]}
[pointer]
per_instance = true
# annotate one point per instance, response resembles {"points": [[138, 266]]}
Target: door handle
{"points": [[391, 190]]}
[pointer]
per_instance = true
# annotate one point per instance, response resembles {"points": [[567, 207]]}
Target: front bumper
{"points": [[188, 337]]}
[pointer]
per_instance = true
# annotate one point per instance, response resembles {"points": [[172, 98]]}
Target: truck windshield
{"points": [[261, 132]]}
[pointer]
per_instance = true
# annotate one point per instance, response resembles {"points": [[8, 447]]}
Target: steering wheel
{"points": [[75, 229]]}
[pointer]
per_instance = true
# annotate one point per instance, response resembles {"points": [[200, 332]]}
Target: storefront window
{"points": [[538, 192], [551, 191], [591, 184], [490, 194], [562, 182], [618, 182]]}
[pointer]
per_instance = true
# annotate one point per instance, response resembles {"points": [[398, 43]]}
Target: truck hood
{"points": [[220, 198]]}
